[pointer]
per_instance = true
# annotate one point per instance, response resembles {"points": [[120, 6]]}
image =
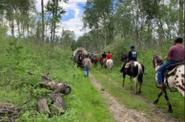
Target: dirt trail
{"points": [[123, 114]]}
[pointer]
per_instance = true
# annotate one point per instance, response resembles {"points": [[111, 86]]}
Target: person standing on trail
{"points": [[87, 65], [176, 54], [109, 55]]}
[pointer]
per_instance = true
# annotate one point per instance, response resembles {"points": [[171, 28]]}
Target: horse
{"points": [[94, 58], [109, 63], [133, 69], [78, 56], [174, 80], [103, 62]]}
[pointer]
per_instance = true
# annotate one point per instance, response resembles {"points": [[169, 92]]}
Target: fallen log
{"points": [[57, 87], [58, 106], [43, 106], [8, 112]]}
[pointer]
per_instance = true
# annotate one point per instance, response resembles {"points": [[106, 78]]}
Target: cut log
{"points": [[57, 87], [8, 112], [58, 106], [43, 106]]}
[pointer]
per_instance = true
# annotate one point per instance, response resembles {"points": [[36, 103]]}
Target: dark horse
{"points": [[94, 58], [133, 69], [174, 79], [78, 56]]}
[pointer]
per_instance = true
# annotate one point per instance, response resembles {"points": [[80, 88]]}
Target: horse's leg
{"points": [[123, 80], [168, 102], [140, 84], [140, 80], [136, 86], [159, 95], [131, 79]]}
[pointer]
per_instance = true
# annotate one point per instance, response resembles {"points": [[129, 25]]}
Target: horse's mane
{"points": [[158, 60]]}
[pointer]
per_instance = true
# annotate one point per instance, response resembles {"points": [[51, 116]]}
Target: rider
{"points": [[132, 56], [109, 55], [176, 54], [104, 55], [80, 59]]}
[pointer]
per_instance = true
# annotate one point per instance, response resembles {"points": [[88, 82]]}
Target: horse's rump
{"points": [[102, 61], [176, 79], [109, 63]]}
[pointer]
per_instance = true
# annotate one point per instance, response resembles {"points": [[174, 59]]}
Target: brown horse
{"points": [[103, 62], [174, 79], [94, 58]]}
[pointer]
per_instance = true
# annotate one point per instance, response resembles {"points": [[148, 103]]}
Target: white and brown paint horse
{"points": [[109, 63], [174, 79], [135, 70]]}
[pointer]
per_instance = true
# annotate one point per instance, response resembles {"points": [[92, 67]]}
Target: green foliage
{"points": [[19, 88], [119, 47]]}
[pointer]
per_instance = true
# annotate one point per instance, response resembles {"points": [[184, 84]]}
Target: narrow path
{"points": [[123, 114], [120, 112]]}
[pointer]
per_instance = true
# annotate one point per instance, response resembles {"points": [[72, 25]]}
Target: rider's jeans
{"points": [[162, 69]]}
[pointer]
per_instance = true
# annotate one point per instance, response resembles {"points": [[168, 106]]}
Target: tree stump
{"points": [[43, 106]]}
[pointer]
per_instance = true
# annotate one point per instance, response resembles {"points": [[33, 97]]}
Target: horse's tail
{"points": [[140, 72], [140, 68]]}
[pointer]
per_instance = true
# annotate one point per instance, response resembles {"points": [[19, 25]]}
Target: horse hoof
{"points": [[170, 111], [155, 102]]}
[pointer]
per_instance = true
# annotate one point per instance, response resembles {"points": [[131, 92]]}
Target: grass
{"points": [[112, 81], [84, 104]]}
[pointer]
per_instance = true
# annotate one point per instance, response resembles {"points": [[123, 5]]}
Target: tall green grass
{"points": [[17, 57]]}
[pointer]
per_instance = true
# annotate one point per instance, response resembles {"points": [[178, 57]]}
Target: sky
{"points": [[72, 19]]}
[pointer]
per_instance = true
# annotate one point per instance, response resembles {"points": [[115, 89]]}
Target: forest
{"points": [[35, 43]]}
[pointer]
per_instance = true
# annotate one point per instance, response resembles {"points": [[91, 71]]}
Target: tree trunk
{"points": [[184, 18], [181, 27], [43, 27], [136, 23], [12, 27]]}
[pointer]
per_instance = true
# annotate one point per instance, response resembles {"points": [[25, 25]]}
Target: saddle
{"points": [[172, 68]]}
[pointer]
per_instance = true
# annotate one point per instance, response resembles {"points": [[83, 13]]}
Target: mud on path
{"points": [[123, 114]]}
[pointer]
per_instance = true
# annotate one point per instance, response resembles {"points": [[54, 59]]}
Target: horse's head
{"points": [[124, 57], [156, 61]]}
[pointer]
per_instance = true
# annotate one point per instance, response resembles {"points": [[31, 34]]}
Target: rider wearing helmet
{"points": [[132, 54]]}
